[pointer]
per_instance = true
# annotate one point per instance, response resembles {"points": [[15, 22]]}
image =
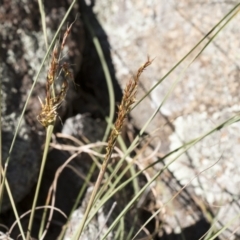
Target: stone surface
{"points": [[81, 126], [97, 227], [206, 94], [22, 50], [84, 127], [4, 236]]}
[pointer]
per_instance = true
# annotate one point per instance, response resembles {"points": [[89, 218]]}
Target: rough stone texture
{"points": [[85, 127], [4, 236], [129, 31], [22, 50], [93, 229], [93, 94], [81, 126], [206, 94]]}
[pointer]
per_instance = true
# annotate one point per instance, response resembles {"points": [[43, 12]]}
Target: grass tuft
{"points": [[48, 114], [124, 108]]}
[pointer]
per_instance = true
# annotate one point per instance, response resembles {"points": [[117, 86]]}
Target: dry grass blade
{"points": [[37, 208], [53, 187]]}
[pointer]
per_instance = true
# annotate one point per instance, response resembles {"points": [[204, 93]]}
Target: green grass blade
{"points": [[185, 147], [111, 97], [15, 211], [229, 223], [106, 73], [43, 20], [44, 158]]}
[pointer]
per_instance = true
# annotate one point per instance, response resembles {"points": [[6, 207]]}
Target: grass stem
{"points": [[48, 139]]}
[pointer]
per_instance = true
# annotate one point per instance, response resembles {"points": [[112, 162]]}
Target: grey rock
{"points": [[94, 230], [84, 126], [167, 30], [22, 50], [3, 236]]}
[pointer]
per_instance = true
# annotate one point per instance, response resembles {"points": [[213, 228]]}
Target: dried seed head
{"points": [[53, 99], [124, 108], [66, 34]]}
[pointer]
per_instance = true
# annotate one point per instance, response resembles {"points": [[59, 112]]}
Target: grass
{"points": [[112, 177]]}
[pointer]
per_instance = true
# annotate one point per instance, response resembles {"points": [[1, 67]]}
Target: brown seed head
{"points": [[124, 108]]}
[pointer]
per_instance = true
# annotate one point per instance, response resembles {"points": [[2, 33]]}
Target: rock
{"points": [[167, 31], [93, 229], [22, 50], [3, 236], [84, 126]]}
